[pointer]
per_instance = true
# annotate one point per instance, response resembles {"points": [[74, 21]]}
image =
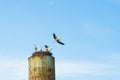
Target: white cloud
{"points": [[81, 68], [94, 29], [15, 69], [115, 58]]}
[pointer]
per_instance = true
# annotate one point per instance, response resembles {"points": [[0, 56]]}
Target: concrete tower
{"points": [[41, 66]]}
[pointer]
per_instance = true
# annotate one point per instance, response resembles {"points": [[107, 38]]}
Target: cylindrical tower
{"points": [[41, 66]]}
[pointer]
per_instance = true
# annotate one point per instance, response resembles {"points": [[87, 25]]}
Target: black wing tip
{"points": [[61, 43], [46, 46], [53, 33], [54, 36]]}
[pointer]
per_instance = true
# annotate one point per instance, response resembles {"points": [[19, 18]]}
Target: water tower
{"points": [[41, 66]]}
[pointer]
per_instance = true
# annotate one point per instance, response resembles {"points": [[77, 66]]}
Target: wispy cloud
{"points": [[114, 1], [51, 3], [20, 68], [115, 58], [14, 69], [92, 28], [84, 68]]}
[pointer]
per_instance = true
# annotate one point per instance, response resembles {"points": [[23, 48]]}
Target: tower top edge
{"points": [[42, 53]]}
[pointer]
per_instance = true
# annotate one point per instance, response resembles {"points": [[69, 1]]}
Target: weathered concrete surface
{"points": [[41, 66]]}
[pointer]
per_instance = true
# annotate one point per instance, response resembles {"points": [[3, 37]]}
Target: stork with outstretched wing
{"points": [[57, 39], [47, 48]]}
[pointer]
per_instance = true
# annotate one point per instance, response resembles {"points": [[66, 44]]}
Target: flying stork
{"points": [[57, 39]]}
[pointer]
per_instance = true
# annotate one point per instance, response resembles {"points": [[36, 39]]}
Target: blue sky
{"points": [[89, 28]]}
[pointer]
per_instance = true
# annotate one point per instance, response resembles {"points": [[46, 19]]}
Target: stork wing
{"points": [[35, 47], [54, 36], [60, 42], [57, 39], [46, 46]]}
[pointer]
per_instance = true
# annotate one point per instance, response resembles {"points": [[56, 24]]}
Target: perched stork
{"points": [[57, 39], [35, 47], [47, 48], [41, 49]]}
